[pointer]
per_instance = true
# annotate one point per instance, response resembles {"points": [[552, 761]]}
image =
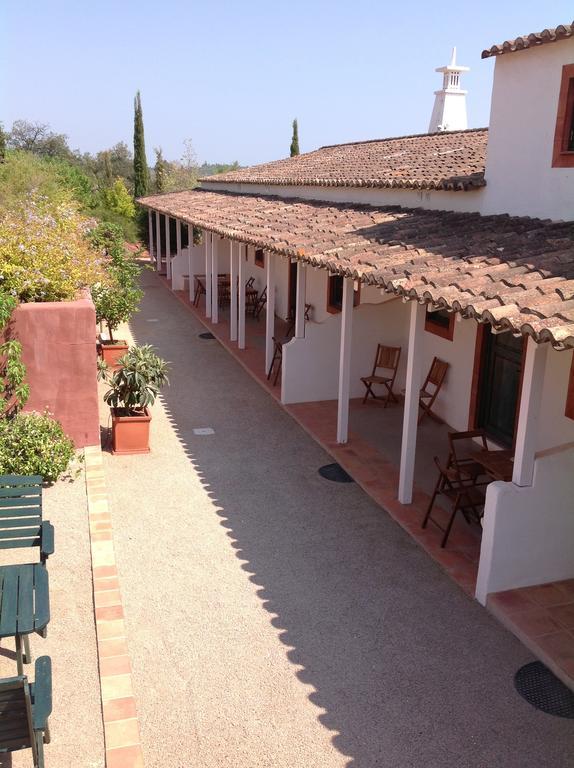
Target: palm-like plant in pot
{"points": [[133, 389]]}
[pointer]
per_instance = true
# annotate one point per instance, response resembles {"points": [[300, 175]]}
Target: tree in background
{"points": [[295, 139], [2, 144], [160, 171], [141, 176]]}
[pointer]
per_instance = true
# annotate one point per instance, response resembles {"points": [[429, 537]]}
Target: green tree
{"points": [[160, 171], [141, 175], [295, 139]]}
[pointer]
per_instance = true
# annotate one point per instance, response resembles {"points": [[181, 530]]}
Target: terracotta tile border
{"points": [[119, 712]]}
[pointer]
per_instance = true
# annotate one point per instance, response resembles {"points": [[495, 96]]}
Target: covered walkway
{"points": [[277, 619]]}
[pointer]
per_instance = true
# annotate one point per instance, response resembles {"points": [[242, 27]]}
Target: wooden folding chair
{"points": [[386, 359], [24, 711], [431, 387], [199, 291], [463, 493], [260, 303]]}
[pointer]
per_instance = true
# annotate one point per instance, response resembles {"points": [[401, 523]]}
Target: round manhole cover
{"points": [[336, 473], [541, 688], [206, 335]]}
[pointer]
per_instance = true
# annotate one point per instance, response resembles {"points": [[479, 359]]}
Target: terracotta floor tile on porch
{"points": [[542, 616]]}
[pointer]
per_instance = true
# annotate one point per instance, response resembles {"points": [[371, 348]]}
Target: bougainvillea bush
{"points": [[45, 254]]}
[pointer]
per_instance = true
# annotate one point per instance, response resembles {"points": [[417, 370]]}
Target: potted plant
{"points": [[117, 298], [133, 389]]}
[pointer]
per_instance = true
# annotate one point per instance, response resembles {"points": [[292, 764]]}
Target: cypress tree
{"points": [[295, 139], [159, 171], [141, 176]]}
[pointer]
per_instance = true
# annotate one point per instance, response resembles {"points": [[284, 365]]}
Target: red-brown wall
{"points": [[59, 351]]}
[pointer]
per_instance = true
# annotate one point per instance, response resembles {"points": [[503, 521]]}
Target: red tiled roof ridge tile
{"points": [[531, 40]]}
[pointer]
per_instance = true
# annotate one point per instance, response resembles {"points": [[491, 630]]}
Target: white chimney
{"points": [[449, 111]]}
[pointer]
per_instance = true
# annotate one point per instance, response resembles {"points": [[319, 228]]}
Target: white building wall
{"points": [[554, 427], [519, 174], [470, 201], [528, 532]]}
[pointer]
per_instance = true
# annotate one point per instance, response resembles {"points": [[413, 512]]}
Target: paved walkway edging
{"points": [[119, 712]]}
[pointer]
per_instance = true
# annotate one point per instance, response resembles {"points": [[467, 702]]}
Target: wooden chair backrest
{"points": [[16, 728], [387, 357], [20, 511], [437, 373]]}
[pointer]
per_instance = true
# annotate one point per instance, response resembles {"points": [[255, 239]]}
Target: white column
{"points": [[270, 310], [157, 242], [530, 400], [300, 301], [233, 267], [241, 309], [150, 230], [208, 241], [190, 268], [214, 278], [411, 412], [345, 360], [167, 248]]}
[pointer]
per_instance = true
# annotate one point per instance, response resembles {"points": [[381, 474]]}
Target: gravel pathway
{"points": [[276, 619]]}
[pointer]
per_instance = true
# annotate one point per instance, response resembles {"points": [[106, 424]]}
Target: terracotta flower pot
{"points": [[111, 351], [130, 434]]}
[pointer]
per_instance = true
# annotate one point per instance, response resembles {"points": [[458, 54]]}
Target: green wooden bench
{"points": [[21, 523], [24, 711]]}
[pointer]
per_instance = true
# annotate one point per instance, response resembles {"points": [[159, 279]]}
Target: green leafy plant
{"points": [[14, 392], [34, 444], [137, 383]]}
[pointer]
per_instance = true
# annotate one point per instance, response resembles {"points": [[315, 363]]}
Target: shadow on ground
{"points": [[405, 669]]}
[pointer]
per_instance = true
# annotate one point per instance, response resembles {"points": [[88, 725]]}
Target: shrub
{"points": [[34, 444], [137, 383], [44, 252]]}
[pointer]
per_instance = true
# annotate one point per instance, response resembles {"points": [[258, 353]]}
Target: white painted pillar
{"points": [[300, 302], [167, 248], [150, 230], [270, 310], [208, 241], [190, 261], [411, 412], [345, 360], [241, 308], [530, 401], [214, 278], [233, 268], [157, 242]]}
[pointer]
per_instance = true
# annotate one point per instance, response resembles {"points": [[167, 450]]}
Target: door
{"points": [[499, 387], [292, 289]]}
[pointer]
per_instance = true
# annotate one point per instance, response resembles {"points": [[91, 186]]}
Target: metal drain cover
{"points": [[206, 335], [336, 473], [541, 688]]}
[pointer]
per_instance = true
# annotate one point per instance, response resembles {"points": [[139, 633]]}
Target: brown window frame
{"points": [[259, 257], [562, 156], [569, 409], [333, 308], [445, 332]]}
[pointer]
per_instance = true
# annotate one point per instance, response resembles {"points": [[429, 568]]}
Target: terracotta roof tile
{"points": [[532, 40], [514, 272], [453, 160]]}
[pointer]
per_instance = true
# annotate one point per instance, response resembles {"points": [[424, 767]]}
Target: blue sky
{"points": [[231, 75]]}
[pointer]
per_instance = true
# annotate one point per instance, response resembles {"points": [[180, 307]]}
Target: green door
{"points": [[499, 387]]}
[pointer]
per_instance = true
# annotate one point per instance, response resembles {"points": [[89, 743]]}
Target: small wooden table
{"points": [[498, 464], [24, 606]]}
